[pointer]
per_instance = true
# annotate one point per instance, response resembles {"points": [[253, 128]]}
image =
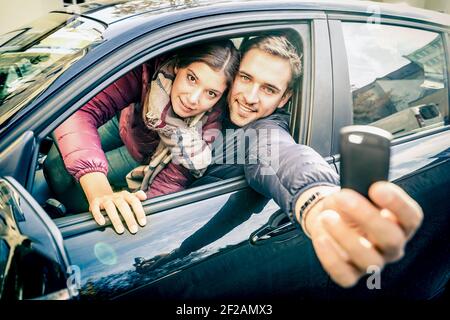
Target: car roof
{"points": [[122, 12]]}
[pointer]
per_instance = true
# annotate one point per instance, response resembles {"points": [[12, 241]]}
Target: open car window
{"points": [[45, 195]]}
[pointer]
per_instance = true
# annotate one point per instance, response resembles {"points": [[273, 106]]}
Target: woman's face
{"points": [[197, 88]]}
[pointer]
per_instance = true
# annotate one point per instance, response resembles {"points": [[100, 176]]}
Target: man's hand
{"points": [[101, 197], [349, 233]]}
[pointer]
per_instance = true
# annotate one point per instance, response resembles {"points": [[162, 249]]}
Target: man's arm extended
{"points": [[349, 233], [281, 169]]}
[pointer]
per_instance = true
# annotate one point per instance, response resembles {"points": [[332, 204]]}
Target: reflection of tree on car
{"points": [[369, 107], [138, 6], [234, 213], [16, 69]]}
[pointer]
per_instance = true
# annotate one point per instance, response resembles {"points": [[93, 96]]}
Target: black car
{"points": [[363, 62]]}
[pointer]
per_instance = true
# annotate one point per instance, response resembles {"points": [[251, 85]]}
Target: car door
{"points": [[381, 73], [218, 240]]}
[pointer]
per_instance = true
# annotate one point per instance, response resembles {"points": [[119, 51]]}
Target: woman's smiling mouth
{"points": [[184, 107]]}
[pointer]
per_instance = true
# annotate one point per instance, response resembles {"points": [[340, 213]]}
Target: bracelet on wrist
{"points": [[306, 208]]}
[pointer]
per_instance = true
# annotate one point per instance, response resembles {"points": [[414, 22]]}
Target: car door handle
{"points": [[278, 227]]}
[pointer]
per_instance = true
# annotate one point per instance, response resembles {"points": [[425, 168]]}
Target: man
{"points": [[348, 232]]}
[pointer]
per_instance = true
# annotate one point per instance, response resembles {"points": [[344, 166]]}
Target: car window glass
{"points": [[31, 60], [49, 182], [397, 76]]}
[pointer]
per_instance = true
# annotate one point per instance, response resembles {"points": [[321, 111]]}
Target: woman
{"points": [[158, 101]]}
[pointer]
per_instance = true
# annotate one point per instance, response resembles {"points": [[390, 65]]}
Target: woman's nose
{"points": [[195, 96]]}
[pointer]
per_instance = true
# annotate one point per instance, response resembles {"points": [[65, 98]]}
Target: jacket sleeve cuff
{"points": [[81, 173], [309, 186]]}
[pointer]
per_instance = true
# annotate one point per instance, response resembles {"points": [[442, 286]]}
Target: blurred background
{"points": [[15, 13]]}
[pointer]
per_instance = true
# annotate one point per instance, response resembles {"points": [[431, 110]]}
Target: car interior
{"points": [[42, 191]]}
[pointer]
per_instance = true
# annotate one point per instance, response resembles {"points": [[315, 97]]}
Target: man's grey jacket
{"points": [[273, 163]]}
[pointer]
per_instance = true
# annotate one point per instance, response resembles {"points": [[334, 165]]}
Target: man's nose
{"points": [[252, 95], [195, 96]]}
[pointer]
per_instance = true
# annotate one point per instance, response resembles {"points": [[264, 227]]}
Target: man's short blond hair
{"points": [[280, 46]]}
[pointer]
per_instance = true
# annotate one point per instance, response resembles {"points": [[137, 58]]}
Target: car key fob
{"points": [[364, 157]]}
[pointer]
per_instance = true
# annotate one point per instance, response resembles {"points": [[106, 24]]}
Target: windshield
{"points": [[33, 57]]}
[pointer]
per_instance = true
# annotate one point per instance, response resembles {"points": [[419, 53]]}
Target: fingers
{"points": [[111, 211], [388, 237], [406, 211], [363, 254], [120, 203], [134, 201], [95, 210], [334, 263], [126, 213], [351, 233], [140, 195]]}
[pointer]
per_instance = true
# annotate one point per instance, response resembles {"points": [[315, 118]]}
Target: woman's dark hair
{"points": [[219, 55]]}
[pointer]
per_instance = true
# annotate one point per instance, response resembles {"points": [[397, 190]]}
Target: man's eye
{"points": [[191, 78], [269, 90], [212, 94], [244, 78]]}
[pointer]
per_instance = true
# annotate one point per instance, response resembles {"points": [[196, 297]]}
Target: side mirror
{"points": [[30, 264]]}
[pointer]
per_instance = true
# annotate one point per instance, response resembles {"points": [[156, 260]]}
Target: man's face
{"points": [[260, 87]]}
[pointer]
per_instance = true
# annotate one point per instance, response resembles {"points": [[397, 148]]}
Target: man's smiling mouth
{"points": [[244, 108]]}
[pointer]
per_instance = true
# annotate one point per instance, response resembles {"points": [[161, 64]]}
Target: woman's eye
{"points": [[191, 78], [212, 94]]}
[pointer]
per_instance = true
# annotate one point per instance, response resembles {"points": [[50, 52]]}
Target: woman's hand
{"points": [[351, 234], [101, 197]]}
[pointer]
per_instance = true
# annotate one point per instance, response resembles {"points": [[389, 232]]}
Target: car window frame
{"points": [[227, 29], [343, 104]]}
